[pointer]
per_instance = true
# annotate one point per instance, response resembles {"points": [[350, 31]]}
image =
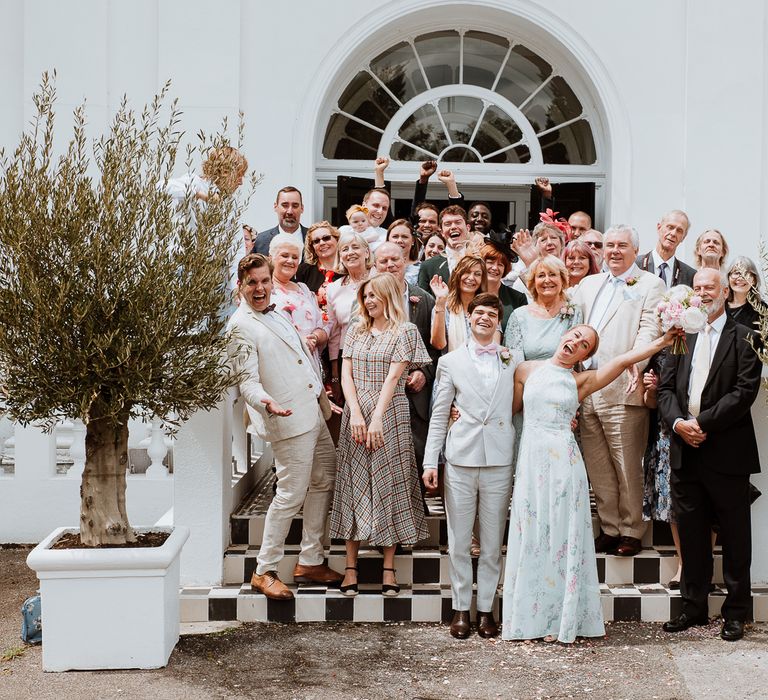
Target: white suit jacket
{"points": [[484, 435], [274, 368], [629, 322]]}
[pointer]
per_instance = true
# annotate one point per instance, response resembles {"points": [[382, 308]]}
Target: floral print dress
{"points": [[550, 583]]}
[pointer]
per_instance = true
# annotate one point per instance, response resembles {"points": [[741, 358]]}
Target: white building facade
{"points": [[661, 104]]}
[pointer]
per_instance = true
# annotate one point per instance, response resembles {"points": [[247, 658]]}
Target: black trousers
{"points": [[702, 496]]}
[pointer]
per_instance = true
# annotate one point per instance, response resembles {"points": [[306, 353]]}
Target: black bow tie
{"points": [[271, 307]]}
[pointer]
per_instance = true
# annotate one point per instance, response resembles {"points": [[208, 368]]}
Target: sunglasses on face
{"points": [[322, 239], [594, 244]]}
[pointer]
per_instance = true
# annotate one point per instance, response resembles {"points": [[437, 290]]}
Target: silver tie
{"points": [[699, 371]]}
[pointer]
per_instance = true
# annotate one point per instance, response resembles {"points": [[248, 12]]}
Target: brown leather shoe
{"points": [[317, 574], [629, 547], [271, 586], [460, 627], [486, 625]]}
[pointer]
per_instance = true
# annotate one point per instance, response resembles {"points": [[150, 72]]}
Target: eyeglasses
{"points": [[738, 275], [322, 239], [594, 244]]}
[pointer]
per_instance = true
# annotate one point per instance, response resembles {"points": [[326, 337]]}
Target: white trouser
{"points": [[306, 470], [483, 492]]}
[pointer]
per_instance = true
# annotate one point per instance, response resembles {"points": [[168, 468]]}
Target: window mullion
{"points": [[421, 66], [389, 92], [432, 156], [436, 107], [521, 142], [521, 106], [503, 66], [479, 121], [359, 121], [560, 126]]}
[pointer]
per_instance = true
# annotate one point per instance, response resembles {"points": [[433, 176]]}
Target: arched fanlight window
{"points": [[470, 97]]}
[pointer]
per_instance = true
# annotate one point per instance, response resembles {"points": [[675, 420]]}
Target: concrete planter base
{"points": [[109, 608]]}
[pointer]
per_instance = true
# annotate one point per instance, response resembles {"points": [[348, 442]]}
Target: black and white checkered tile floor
{"points": [[632, 588]]}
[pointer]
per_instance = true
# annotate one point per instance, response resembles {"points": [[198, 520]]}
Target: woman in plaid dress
{"points": [[377, 496]]}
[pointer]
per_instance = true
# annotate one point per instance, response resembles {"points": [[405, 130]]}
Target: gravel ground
{"points": [[377, 661]]}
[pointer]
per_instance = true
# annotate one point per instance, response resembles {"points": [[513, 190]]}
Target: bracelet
{"points": [[334, 380], [439, 311]]}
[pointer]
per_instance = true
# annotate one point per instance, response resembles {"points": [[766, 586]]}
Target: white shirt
{"points": [[284, 328], [487, 366], [453, 255], [657, 263], [716, 330]]}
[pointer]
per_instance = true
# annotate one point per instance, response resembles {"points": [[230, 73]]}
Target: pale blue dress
{"points": [[531, 338], [550, 582]]}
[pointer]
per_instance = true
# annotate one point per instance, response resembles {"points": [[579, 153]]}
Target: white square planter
{"points": [[109, 608]]}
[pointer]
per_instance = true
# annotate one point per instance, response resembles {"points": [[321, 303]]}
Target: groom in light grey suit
{"points": [[479, 379]]}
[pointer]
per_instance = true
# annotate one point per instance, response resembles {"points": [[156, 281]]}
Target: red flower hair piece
{"points": [[548, 217]]}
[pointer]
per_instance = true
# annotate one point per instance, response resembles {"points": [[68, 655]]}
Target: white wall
{"points": [[688, 76]]}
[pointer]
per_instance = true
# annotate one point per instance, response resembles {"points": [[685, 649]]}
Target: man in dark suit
{"points": [[662, 260], [705, 396], [289, 208], [418, 306], [455, 232]]}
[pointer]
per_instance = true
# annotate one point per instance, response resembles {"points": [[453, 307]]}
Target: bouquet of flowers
{"points": [[681, 308]]}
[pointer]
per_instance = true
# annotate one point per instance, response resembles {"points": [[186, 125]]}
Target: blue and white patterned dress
{"points": [[550, 583]]}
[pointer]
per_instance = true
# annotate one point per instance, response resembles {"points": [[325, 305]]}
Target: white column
{"points": [[35, 453], [77, 450], [156, 451], [203, 492]]}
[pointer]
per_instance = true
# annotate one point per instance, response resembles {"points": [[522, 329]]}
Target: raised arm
{"points": [[438, 337], [380, 165], [594, 380], [449, 180]]}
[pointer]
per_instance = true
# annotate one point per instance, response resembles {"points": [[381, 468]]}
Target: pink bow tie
{"points": [[489, 349]]}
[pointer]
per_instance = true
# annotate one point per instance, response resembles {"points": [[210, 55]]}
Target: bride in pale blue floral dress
{"points": [[550, 585]]}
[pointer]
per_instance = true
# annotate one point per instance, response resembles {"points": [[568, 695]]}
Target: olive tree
{"points": [[113, 297]]}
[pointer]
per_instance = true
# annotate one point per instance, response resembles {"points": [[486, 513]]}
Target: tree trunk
{"points": [[103, 518]]}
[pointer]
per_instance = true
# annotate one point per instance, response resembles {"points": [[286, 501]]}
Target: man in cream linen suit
{"points": [[287, 406], [478, 378], [621, 305]]}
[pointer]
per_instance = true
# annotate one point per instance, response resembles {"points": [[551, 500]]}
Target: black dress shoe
{"points": [[460, 627], [606, 543], [732, 630], [683, 621], [486, 625]]}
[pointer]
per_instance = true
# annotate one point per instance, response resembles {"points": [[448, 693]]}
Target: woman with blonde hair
{"points": [[377, 496], [353, 263], [450, 320], [534, 331]]}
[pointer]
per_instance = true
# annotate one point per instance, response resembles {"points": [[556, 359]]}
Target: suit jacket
{"points": [[731, 388], [420, 314], [437, 265], [269, 367], [630, 322], [261, 244], [311, 276], [484, 435], [681, 273]]}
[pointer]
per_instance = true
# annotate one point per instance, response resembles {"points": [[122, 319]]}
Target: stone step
{"points": [[426, 565], [419, 603]]}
